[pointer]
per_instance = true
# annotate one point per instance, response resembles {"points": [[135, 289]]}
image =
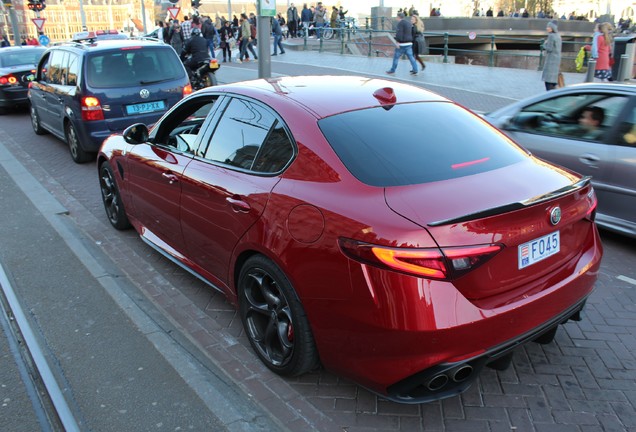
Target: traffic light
{"points": [[196, 3], [36, 5]]}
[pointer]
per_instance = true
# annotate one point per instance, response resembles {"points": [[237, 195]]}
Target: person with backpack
{"points": [[245, 41], [209, 32]]}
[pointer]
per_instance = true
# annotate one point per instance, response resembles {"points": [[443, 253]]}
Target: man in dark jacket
{"points": [[278, 36], [292, 20], [404, 38], [197, 48], [307, 17]]}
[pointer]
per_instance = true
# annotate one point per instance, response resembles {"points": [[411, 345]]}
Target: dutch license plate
{"points": [[145, 107], [539, 249]]}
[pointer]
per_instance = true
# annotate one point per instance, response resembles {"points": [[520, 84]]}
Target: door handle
{"points": [[589, 159], [238, 204], [170, 177]]}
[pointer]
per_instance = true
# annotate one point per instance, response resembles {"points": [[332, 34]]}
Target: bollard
{"points": [[623, 68], [591, 67]]}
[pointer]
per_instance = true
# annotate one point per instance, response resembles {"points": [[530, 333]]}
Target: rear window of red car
{"points": [[417, 143]]}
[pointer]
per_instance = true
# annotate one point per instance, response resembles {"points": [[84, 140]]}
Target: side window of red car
{"points": [[249, 136]]}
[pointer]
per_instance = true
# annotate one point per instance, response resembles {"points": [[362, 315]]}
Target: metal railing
{"points": [[370, 42]]}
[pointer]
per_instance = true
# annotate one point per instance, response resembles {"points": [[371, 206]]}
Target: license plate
{"points": [[539, 249], [145, 107]]}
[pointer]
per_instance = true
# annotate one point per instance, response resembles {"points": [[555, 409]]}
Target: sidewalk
{"points": [[513, 84]]}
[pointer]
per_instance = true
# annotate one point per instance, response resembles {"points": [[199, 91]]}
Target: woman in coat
{"points": [[176, 40], [552, 63], [603, 44], [419, 44]]}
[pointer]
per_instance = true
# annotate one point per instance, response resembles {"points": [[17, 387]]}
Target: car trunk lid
{"points": [[518, 214]]}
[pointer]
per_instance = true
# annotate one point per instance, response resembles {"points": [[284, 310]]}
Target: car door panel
{"points": [[155, 175], [223, 192]]}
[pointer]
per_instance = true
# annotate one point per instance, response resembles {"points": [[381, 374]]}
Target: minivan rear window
{"points": [[416, 143], [133, 67]]}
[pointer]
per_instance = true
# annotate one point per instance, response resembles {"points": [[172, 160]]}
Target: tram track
{"points": [[42, 388]]}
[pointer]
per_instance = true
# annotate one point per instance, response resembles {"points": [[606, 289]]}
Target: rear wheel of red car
{"points": [[78, 154], [274, 319], [35, 121], [112, 200]]}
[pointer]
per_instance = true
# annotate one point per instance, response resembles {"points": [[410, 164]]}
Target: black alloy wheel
{"points": [[111, 198], [274, 320]]}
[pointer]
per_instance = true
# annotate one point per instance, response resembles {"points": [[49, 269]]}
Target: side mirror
{"points": [[136, 134]]}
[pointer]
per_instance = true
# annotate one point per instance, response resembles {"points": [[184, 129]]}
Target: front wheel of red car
{"points": [[112, 200], [274, 319]]}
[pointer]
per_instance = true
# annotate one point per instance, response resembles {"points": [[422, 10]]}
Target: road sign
{"points": [[174, 12], [472, 35], [44, 40], [39, 23]]}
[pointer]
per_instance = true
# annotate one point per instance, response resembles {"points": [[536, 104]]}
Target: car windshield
{"points": [[131, 67], [21, 57], [417, 143]]}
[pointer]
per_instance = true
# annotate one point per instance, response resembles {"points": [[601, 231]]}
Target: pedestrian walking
{"points": [[210, 33], [404, 38], [320, 18], [307, 17], [176, 39], [226, 35], [419, 43], [602, 49], [552, 64], [186, 28], [245, 41], [278, 36]]}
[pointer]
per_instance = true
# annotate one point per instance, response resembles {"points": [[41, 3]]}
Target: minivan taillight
{"points": [[91, 109], [430, 263], [187, 89]]}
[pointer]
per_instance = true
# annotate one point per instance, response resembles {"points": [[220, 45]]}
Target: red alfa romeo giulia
{"points": [[364, 225]]}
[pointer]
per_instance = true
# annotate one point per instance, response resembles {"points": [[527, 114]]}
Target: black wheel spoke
{"points": [[273, 319]]}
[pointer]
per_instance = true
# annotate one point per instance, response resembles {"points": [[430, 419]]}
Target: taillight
{"points": [[91, 109], [591, 211], [430, 263], [187, 90], [8, 80]]}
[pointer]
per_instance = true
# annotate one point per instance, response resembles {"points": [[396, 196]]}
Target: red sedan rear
{"points": [[369, 226]]}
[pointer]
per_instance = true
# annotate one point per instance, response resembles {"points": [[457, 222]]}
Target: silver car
{"points": [[591, 129]]}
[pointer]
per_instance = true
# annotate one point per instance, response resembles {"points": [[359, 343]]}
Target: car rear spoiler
{"points": [[582, 183]]}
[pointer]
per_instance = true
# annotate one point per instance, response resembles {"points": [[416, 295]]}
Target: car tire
{"points": [[274, 320], [78, 154], [35, 121], [111, 198]]}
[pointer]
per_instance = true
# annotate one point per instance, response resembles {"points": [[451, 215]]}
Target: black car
{"points": [[17, 69], [90, 88]]}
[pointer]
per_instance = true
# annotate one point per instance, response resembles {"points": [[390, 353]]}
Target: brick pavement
{"points": [[584, 381]]}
